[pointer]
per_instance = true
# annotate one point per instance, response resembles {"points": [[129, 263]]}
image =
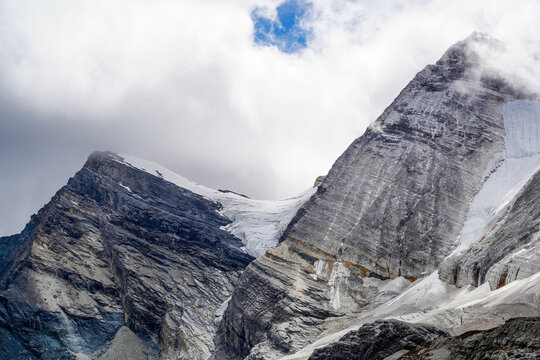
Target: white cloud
{"points": [[181, 82]]}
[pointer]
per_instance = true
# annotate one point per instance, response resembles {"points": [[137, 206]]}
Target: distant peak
{"points": [[480, 37], [104, 155], [468, 49]]}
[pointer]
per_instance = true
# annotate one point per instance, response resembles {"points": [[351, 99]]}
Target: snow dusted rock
{"points": [[377, 341], [441, 190], [392, 206], [130, 243], [434, 302], [509, 251], [500, 242], [517, 339]]}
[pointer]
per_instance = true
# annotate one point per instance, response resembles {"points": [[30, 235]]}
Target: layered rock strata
{"points": [[500, 241], [392, 206], [117, 247]]}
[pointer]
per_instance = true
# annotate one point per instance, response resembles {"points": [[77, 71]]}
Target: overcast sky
{"points": [[255, 96]]}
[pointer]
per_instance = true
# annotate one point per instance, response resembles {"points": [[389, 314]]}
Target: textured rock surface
{"points": [[500, 240], [510, 251], [517, 339], [117, 247], [392, 205], [395, 201], [378, 340]]}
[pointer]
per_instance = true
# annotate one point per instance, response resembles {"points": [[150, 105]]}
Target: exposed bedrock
{"points": [[117, 247], [378, 340], [391, 206], [518, 338]]}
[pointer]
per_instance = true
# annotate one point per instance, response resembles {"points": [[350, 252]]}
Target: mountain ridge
{"points": [[429, 217]]}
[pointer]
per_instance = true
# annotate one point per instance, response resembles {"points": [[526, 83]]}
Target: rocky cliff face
{"points": [[117, 247], [392, 206]]}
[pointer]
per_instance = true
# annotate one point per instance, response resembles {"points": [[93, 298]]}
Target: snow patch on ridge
{"points": [[507, 172], [258, 223]]}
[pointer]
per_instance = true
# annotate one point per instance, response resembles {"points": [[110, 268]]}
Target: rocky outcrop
{"points": [[392, 205], [378, 340], [517, 339], [117, 248]]}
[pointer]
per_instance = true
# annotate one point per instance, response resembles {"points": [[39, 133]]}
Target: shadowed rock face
{"points": [[377, 340], [117, 247], [517, 339], [392, 205]]}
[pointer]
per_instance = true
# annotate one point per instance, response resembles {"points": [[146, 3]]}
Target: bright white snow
{"points": [[258, 223], [508, 171]]}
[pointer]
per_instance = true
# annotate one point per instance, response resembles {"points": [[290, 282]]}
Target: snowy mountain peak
{"points": [[258, 223]]}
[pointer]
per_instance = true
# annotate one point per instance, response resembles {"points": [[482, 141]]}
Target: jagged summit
{"points": [[118, 247], [467, 51], [258, 223]]}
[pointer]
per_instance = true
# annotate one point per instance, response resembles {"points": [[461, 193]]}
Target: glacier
{"points": [[258, 223]]}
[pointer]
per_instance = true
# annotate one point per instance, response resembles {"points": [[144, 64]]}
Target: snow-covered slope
{"points": [[499, 241], [258, 223], [508, 171], [435, 302]]}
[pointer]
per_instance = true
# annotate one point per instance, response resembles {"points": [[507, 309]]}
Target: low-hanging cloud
{"points": [[185, 84]]}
